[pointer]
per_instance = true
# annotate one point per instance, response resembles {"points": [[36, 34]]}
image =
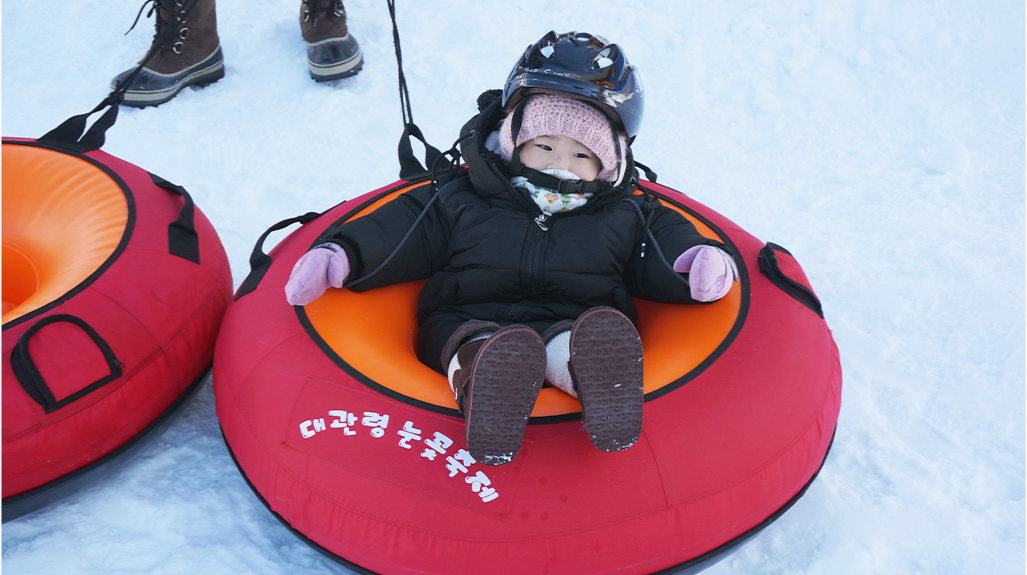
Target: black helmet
{"points": [[582, 65]]}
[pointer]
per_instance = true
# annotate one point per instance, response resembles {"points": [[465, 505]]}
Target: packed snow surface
{"points": [[881, 142]]}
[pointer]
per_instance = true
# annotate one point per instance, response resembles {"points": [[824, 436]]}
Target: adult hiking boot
{"points": [[332, 53], [188, 53], [496, 381], [606, 366]]}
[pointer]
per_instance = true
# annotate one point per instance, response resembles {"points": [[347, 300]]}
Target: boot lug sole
{"points": [[506, 379], [606, 362]]}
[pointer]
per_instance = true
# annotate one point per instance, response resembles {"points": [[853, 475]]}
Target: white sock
{"points": [[454, 364], [558, 356]]}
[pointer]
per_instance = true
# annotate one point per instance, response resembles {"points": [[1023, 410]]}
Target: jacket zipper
{"points": [[535, 253]]}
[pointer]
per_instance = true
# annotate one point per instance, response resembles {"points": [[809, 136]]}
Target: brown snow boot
{"points": [[190, 56], [606, 366], [496, 382], [332, 53]]}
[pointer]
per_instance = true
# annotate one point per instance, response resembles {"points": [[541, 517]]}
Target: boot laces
{"points": [[167, 13], [314, 11]]}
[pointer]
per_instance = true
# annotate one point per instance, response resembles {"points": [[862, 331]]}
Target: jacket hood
{"points": [[490, 174]]}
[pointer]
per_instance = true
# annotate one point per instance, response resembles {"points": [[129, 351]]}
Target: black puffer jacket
{"points": [[488, 256]]}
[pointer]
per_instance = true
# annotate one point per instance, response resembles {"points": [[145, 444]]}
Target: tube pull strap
{"points": [[409, 167], [70, 134]]}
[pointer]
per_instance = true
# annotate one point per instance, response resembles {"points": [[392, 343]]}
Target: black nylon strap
{"points": [[70, 135], [517, 168], [183, 241], [260, 262], [32, 381], [409, 167], [649, 174], [560, 185], [770, 267]]}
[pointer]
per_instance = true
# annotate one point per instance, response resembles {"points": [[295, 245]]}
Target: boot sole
{"points": [[337, 71], [344, 59], [606, 363], [505, 380], [198, 79]]}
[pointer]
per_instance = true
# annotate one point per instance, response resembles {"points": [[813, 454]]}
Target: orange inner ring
{"points": [[375, 332], [63, 217]]}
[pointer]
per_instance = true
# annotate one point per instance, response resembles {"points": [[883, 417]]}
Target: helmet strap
{"points": [[549, 181]]}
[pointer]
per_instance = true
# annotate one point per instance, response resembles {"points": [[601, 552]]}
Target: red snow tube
{"points": [[114, 286], [358, 447]]}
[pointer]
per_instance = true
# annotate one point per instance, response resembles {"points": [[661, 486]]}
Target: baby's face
{"points": [[560, 152]]}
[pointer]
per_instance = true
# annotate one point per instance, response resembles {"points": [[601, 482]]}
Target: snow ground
{"points": [[881, 142]]}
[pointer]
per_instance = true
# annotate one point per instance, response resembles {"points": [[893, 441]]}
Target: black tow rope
{"points": [[159, 40], [409, 167], [72, 133]]}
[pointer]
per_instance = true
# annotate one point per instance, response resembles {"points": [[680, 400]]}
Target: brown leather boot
{"points": [[190, 56], [332, 53], [496, 382], [606, 366]]}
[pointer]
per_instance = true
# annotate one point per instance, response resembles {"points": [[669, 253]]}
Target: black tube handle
{"points": [[770, 266], [183, 240], [31, 380], [260, 262]]}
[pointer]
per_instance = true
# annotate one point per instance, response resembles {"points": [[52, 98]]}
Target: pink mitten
{"points": [[322, 267], [708, 268]]}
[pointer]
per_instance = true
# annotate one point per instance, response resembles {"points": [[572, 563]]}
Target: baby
{"points": [[534, 251]]}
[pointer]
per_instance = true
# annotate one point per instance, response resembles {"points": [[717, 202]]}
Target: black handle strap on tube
{"points": [[770, 266], [32, 381], [260, 262], [183, 241]]}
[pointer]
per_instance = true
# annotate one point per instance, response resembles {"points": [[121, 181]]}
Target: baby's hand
{"points": [[322, 267], [707, 268]]}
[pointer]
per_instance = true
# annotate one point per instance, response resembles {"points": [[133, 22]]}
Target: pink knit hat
{"points": [[551, 114]]}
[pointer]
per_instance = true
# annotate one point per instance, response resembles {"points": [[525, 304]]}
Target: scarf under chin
{"points": [[548, 200]]}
